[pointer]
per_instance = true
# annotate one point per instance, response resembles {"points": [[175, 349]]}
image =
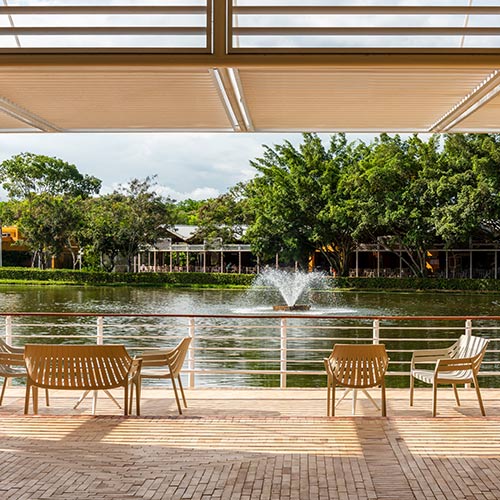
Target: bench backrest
{"points": [[173, 358], [82, 367], [358, 366], [469, 347]]}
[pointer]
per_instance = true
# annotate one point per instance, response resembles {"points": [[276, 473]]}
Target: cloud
{"points": [[187, 165]]}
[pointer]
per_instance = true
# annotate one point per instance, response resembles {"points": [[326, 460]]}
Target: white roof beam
{"points": [[479, 96], [25, 116]]}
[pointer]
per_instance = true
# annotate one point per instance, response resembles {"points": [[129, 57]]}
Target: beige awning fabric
{"points": [[216, 66]]}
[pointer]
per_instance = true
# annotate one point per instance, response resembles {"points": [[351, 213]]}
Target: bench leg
{"points": [[3, 389], [176, 396], [27, 399], [35, 400], [182, 391], [479, 398]]}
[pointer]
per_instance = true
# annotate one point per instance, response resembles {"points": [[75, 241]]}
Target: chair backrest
{"points": [[82, 367], [173, 358], [8, 360], [469, 346], [358, 365]]}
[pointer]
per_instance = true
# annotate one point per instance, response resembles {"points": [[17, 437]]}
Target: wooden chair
{"points": [[12, 365], [80, 368], [356, 366], [167, 364], [457, 364]]}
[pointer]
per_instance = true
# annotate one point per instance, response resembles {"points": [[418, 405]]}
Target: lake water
{"points": [[217, 339]]}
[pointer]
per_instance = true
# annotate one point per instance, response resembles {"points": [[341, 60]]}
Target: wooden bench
{"points": [[81, 368]]}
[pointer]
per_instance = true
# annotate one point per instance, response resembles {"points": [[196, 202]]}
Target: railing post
{"points": [[8, 330], [283, 353], [100, 330], [468, 327], [376, 331], [191, 354]]}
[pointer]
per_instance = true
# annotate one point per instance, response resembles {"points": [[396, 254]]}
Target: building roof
{"points": [[262, 66]]}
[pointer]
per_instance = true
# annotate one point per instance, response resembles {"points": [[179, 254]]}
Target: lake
{"points": [[218, 340]]}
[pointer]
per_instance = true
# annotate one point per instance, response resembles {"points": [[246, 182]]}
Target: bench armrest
{"points": [[135, 369], [428, 356]]}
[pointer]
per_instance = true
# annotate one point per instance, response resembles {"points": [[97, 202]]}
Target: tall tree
{"points": [[466, 188], [226, 216], [27, 174], [387, 190], [124, 222], [296, 203]]}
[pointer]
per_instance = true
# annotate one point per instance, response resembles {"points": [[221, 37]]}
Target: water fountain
{"points": [[291, 285]]}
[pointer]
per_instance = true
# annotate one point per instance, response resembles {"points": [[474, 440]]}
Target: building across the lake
{"points": [[182, 251]]}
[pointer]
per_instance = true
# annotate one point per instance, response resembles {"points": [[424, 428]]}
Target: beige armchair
{"points": [[457, 364], [167, 364], [356, 366]]}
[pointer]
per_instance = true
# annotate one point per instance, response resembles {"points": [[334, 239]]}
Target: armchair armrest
{"points": [[135, 368], [429, 355], [452, 365]]}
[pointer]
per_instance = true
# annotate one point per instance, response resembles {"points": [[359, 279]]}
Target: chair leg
{"points": [[354, 400], [138, 397], [125, 400], [182, 391], [455, 390], [328, 397], [27, 399], [434, 399], [131, 398], [412, 388], [332, 401], [384, 405], [479, 398], [176, 396], [35, 400], [47, 397], [3, 389]]}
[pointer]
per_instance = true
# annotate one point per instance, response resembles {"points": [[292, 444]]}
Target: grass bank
{"points": [[27, 276]]}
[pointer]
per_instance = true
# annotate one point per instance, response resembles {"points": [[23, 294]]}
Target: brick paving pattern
{"points": [[250, 445]]}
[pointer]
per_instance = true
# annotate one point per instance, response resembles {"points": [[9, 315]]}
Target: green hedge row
{"points": [[221, 279], [104, 278], [418, 284]]}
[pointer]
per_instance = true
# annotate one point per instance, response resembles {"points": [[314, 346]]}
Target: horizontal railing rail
{"points": [[168, 28], [313, 28], [253, 349]]}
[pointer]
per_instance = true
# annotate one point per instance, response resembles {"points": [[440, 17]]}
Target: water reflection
{"points": [[212, 335]]}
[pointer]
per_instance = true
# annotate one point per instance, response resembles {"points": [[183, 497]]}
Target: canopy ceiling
{"points": [[246, 66]]}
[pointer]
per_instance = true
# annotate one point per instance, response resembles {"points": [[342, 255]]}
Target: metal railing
{"points": [[257, 349], [167, 28], [302, 27], [258, 27]]}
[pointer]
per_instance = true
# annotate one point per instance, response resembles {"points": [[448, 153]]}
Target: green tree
{"points": [[388, 191], [226, 216], [465, 187], [124, 222], [296, 204], [27, 174], [186, 211], [50, 225]]}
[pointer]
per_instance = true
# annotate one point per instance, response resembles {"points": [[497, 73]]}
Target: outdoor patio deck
{"points": [[251, 444]]}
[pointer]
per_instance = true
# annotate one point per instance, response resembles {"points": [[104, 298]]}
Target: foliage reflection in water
{"points": [[213, 335]]}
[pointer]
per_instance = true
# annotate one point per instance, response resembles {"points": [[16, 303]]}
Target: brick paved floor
{"points": [[251, 444]]}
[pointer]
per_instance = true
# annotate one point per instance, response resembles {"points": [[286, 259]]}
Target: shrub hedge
{"points": [[418, 284], [104, 278], [221, 279]]}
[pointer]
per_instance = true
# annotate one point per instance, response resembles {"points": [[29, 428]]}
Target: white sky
{"points": [[194, 165]]}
